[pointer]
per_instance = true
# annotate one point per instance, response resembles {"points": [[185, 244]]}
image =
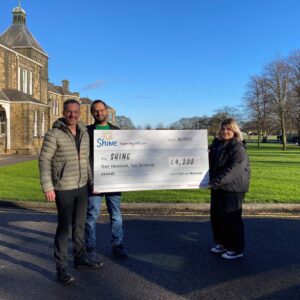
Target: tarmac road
{"points": [[169, 259], [6, 160]]}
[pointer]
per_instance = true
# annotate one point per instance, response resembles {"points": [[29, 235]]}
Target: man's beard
{"points": [[99, 121]]}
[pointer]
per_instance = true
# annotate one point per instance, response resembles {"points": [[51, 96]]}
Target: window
{"points": [[30, 83], [55, 108], [2, 123], [19, 79], [43, 124], [35, 127], [25, 81]]}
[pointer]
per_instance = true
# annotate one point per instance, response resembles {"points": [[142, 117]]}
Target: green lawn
{"points": [[275, 177]]}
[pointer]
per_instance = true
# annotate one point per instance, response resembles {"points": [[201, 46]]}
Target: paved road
{"points": [[14, 159], [169, 259]]}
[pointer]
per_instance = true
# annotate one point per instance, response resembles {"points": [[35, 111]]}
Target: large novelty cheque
{"points": [[132, 160]]}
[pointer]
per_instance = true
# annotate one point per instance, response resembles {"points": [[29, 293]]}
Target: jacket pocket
{"points": [[57, 171]]}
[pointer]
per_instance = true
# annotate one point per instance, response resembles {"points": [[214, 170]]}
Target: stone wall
{"points": [[2, 68], [8, 69], [23, 140], [86, 116]]}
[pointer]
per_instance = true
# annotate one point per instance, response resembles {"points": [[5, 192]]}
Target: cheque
{"points": [[132, 160]]}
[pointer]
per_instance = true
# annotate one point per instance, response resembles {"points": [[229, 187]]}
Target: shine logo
{"points": [[108, 136], [107, 140]]}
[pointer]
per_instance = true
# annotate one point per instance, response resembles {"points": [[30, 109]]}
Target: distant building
{"points": [[29, 103]]}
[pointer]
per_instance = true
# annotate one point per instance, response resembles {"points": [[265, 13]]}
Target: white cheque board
{"points": [[133, 160]]}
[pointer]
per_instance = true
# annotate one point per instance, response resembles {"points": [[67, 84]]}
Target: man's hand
{"points": [[50, 196]]}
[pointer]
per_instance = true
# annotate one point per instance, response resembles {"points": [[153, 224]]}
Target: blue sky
{"points": [[159, 60]]}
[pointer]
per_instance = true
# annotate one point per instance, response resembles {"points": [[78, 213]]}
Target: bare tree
{"points": [[231, 112], [160, 126], [257, 102], [215, 122], [124, 122], [279, 88], [294, 65], [191, 123]]}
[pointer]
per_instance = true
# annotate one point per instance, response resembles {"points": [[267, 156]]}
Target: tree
{"points": [[160, 126], [231, 112], [294, 68], [278, 85], [215, 121], [191, 123], [257, 102], [124, 122]]}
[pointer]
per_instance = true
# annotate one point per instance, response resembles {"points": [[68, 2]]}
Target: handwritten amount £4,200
{"points": [[181, 161]]}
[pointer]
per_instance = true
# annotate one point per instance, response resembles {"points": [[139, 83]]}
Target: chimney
{"points": [[65, 84]]}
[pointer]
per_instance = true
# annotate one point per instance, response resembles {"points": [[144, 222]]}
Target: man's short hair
{"points": [[98, 101], [70, 101]]}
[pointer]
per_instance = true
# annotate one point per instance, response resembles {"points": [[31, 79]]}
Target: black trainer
{"points": [[64, 278], [93, 256], [120, 252], [85, 262]]}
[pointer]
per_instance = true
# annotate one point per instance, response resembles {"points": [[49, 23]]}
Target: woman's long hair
{"points": [[231, 124]]}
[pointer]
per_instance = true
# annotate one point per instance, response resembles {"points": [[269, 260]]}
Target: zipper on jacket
{"points": [[59, 174], [78, 152], [79, 158]]}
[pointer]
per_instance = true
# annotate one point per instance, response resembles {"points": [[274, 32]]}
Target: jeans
{"points": [[113, 201], [71, 207]]}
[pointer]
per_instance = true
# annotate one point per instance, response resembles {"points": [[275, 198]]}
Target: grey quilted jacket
{"points": [[62, 167]]}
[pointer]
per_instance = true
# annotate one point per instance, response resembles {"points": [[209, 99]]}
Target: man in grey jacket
{"points": [[65, 173]]}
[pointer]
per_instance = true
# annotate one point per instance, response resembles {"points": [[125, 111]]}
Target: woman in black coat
{"points": [[229, 181]]}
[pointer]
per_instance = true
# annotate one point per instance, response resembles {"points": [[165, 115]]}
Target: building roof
{"points": [[3, 96], [86, 101], [18, 35], [54, 88], [15, 95], [90, 102], [59, 90]]}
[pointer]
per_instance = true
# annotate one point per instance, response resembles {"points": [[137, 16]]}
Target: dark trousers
{"points": [[71, 207], [226, 219]]}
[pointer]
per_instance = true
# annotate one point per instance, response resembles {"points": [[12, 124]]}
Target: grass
{"points": [[275, 177], [275, 174]]}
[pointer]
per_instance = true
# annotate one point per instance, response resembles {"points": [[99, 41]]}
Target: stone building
{"points": [[29, 103]]}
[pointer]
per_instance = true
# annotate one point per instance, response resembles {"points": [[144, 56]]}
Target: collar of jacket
{"points": [[111, 126], [61, 124], [233, 142]]}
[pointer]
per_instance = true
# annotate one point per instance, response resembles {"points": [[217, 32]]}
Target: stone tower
{"points": [[19, 38]]}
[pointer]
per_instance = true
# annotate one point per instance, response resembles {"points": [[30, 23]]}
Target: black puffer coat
{"points": [[229, 166]]}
